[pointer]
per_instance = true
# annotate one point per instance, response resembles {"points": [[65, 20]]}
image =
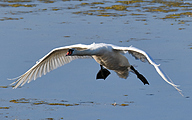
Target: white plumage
{"points": [[107, 55]]}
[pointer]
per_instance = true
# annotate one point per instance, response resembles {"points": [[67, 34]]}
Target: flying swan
{"points": [[107, 55]]}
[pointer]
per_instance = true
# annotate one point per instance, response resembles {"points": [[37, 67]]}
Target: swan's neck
{"points": [[87, 52]]}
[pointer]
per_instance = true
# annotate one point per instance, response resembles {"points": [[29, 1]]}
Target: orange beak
{"points": [[67, 54]]}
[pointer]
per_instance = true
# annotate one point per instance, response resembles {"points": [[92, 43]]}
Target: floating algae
{"points": [[131, 1], [114, 9], [55, 9], [47, 1], [22, 5], [122, 104], [63, 104], [9, 18], [93, 3], [159, 9], [181, 28], [36, 102], [117, 7], [22, 100], [4, 107], [12, 1], [179, 15], [3, 86]]}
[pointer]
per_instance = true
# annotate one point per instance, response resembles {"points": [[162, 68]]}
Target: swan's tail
{"points": [[122, 73]]}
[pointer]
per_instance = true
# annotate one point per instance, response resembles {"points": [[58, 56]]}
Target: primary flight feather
{"points": [[107, 55]]}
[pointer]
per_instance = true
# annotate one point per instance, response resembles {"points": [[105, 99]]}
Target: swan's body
{"points": [[107, 55]]}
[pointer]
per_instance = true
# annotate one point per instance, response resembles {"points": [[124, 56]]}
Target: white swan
{"points": [[107, 55]]}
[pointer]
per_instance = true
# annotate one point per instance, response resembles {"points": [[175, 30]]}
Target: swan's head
{"points": [[70, 52]]}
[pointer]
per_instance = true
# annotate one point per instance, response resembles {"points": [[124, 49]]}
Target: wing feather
{"points": [[54, 59], [143, 56]]}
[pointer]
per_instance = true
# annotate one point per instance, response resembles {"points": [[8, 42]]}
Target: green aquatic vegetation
{"points": [[181, 28], [63, 104], [4, 107], [22, 100], [172, 3], [3, 86], [165, 8], [14, 101], [181, 22], [9, 18], [56, 104], [131, 1], [47, 1], [12, 1], [123, 104], [186, 13], [171, 17], [55, 9], [43, 9], [83, 12], [22, 5], [187, 9], [79, 12], [35, 102], [89, 13], [70, 0], [121, 8], [140, 19], [90, 4], [38, 103], [84, 4], [97, 3], [159, 9], [179, 15], [117, 7], [19, 12], [190, 46]]}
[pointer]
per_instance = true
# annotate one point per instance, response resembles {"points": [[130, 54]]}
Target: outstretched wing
{"points": [[143, 56], [54, 59]]}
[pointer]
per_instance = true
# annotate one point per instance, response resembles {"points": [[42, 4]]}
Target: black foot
{"points": [[140, 76], [103, 73]]}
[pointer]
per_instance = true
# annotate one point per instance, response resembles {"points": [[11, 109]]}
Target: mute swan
{"points": [[107, 55]]}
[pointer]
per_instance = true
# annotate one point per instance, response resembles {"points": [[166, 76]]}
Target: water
{"points": [[29, 30]]}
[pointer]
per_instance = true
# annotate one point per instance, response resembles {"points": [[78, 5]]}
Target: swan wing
{"points": [[54, 59], [143, 56]]}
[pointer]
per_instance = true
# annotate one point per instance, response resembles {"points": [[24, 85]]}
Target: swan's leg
{"points": [[141, 77], [103, 73]]}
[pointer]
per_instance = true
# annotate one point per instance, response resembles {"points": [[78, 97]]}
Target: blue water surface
{"points": [[28, 33]]}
